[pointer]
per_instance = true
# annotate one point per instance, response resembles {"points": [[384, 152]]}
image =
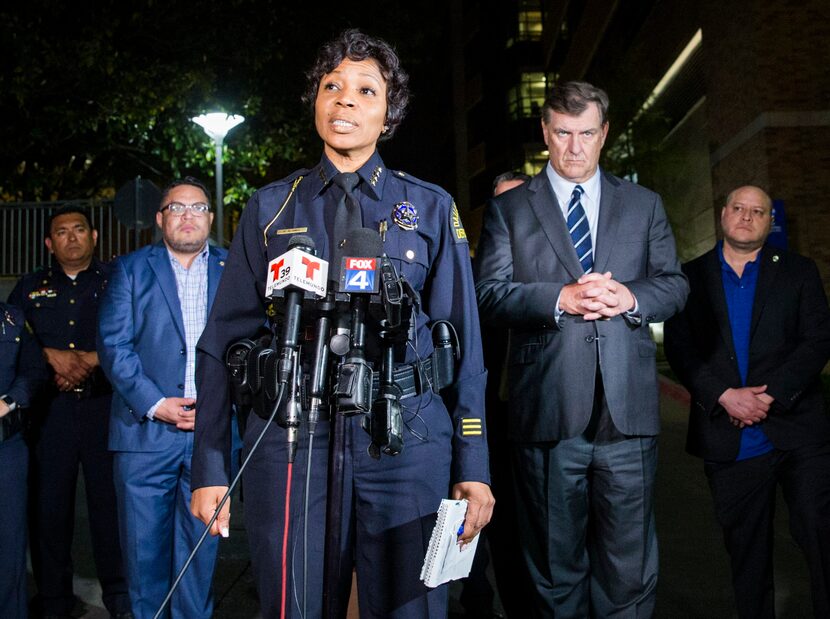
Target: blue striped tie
{"points": [[580, 230]]}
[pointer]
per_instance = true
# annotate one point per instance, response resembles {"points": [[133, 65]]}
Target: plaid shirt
{"points": [[191, 285]]}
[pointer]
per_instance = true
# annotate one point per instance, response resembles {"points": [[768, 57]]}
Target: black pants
{"points": [[744, 497], [74, 432]]}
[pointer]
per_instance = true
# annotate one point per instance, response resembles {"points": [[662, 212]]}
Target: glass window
{"points": [[530, 20], [526, 99], [535, 160]]}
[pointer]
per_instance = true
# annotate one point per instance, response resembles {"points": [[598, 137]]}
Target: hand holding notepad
{"points": [[446, 559]]}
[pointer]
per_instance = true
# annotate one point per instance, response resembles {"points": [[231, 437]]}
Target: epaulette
{"points": [[417, 181], [41, 272], [293, 180], [288, 180]]}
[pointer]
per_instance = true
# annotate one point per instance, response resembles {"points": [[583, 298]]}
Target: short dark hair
{"points": [[510, 176], [67, 209], [187, 180], [355, 45], [572, 98]]}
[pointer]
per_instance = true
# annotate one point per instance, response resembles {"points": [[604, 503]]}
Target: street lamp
{"points": [[217, 125]]}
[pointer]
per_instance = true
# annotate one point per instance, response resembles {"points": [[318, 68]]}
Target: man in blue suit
{"points": [[151, 317]]}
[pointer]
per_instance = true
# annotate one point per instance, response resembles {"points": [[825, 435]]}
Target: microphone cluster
{"points": [[366, 293]]}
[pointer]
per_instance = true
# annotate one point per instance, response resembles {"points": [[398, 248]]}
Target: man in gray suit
{"points": [[577, 263]]}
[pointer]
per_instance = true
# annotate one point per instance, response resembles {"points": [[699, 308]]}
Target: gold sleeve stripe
{"points": [[471, 426]]}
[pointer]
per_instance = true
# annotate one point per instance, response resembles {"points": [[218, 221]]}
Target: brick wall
{"points": [[768, 110]]}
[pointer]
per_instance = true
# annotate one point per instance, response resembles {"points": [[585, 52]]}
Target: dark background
{"points": [[91, 97]]}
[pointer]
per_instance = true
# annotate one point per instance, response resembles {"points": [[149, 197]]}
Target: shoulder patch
{"points": [[459, 234]]}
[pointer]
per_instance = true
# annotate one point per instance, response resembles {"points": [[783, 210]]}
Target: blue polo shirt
{"points": [[740, 295]]}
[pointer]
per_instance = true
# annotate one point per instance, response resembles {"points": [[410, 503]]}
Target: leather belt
{"points": [[11, 424]]}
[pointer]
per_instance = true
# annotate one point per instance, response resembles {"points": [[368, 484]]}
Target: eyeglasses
{"points": [[177, 208]]}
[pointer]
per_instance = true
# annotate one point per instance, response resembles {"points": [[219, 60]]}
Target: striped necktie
{"points": [[580, 230]]}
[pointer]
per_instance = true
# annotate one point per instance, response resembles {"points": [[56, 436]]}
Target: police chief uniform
{"points": [[389, 505], [70, 428], [22, 372]]}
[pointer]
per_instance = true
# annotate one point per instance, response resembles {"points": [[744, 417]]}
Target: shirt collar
{"points": [[563, 187], [749, 265], [202, 256], [55, 266], [373, 173]]}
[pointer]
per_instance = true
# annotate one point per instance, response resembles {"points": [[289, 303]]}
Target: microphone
{"points": [[298, 268], [359, 279], [293, 275], [318, 383]]}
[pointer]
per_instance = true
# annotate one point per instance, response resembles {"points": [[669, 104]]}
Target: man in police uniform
{"points": [[60, 303], [22, 371]]}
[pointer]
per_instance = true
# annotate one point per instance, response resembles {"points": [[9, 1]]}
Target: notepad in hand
{"points": [[446, 560]]}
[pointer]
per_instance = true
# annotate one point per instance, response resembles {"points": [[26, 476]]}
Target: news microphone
{"points": [[318, 383], [359, 279], [292, 275]]}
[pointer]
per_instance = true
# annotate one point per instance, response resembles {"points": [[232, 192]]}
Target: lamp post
{"points": [[217, 125]]}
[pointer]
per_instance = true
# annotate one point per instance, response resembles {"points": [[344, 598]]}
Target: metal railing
{"points": [[23, 225]]}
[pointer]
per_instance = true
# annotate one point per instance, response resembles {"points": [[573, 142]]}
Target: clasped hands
{"points": [[72, 367], [595, 296], [746, 405], [180, 412]]}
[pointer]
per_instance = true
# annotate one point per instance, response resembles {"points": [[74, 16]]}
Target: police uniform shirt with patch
{"points": [[63, 312], [422, 234]]}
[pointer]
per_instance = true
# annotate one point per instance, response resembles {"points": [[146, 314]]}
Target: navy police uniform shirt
{"points": [[62, 312], [421, 233], [22, 368]]}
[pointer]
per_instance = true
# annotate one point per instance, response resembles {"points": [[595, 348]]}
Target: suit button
{"points": [[650, 318], [181, 352], [180, 386], [590, 339]]}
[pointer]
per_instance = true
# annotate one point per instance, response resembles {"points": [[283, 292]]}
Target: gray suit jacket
{"points": [[525, 257]]}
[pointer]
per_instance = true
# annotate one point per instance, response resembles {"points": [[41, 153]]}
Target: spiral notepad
{"points": [[445, 559]]}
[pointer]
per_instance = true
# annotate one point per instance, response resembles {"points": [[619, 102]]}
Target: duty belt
{"points": [[412, 379], [11, 424]]}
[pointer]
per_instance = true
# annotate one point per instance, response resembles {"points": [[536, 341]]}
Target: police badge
{"points": [[405, 215]]}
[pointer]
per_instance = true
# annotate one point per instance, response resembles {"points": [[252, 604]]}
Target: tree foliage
{"points": [[93, 96]]}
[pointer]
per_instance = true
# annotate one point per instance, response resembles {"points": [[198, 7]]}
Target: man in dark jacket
{"points": [[750, 346]]}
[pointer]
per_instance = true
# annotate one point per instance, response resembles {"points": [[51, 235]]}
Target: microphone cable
{"points": [[286, 526], [222, 504]]}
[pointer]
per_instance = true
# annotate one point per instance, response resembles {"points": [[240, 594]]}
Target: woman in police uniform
{"points": [[359, 94]]}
